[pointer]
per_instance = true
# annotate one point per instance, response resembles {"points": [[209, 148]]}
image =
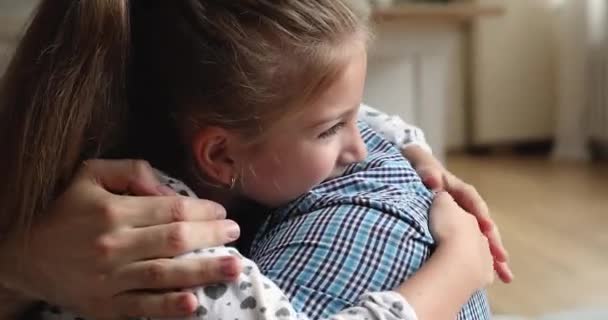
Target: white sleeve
{"points": [[386, 305], [393, 128], [254, 296]]}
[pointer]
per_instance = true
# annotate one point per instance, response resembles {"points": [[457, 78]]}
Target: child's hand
{"points": [[437, 178]]}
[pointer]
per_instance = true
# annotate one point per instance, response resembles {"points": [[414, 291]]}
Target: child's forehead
{"points": [[345, 91], [342, 95]]}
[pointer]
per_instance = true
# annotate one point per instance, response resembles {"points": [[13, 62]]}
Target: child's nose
{"points": [[356, 151]]}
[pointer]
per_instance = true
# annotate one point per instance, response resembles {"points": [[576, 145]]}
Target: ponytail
{"points": [[62, 100]]}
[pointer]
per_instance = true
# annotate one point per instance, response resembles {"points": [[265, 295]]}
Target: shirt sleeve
{"points": [[254, 296], [387, 305], [393, 128], [328, 260]]}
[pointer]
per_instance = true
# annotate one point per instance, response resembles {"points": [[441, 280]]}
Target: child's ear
{"points": [[212, 147]]}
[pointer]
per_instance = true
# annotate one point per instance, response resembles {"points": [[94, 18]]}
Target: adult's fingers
{"points": [[491, 260], [504, 271], [155, 305], [496, 246], [152, 211], [174, 239], [470, 200], [124, 176], [443, 199], [177, 273], [432, 177]]}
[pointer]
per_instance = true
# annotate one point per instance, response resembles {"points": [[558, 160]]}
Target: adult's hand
{"points": [[461, 264], [105, 255], [436, 177], [455, 229]]}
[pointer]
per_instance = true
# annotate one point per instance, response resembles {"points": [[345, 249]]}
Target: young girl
{"points": [[254, 105]]}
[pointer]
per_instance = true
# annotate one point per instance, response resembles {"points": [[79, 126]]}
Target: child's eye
{"points": [[332, 131]]}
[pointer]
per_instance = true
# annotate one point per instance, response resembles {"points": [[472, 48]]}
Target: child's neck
{"points": [[231, 200]]}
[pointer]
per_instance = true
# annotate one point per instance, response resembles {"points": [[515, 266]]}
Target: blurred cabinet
{"points": [[418, 67], [515, 74], [409, 74]]}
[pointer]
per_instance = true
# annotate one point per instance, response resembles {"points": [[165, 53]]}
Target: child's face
{"points": [[312, 146]]}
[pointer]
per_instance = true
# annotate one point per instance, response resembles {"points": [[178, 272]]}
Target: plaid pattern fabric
{"points": [[364, 231]]}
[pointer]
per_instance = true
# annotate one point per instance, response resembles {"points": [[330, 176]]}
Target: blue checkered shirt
{"points": [[364, 231]]}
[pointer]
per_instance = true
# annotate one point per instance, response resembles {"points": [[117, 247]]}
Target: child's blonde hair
{"points": [[135, 78]]}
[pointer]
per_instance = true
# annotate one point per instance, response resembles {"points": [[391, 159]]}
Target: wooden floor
{"points": [[554, 221]]}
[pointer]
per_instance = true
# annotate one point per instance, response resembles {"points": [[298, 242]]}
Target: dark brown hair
{"points": [[118, 78], [60, 100]]}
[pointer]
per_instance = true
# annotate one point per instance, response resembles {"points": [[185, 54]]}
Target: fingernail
{"points": [[187, 305], [220, 212], [166, 191], [228, 267], [234, 231]]}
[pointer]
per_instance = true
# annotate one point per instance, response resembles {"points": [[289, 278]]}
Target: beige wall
{"points": [[515, 73], [456, 119]]}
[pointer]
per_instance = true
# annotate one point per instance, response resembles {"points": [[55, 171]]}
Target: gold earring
{"points": [[232, 182]]}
